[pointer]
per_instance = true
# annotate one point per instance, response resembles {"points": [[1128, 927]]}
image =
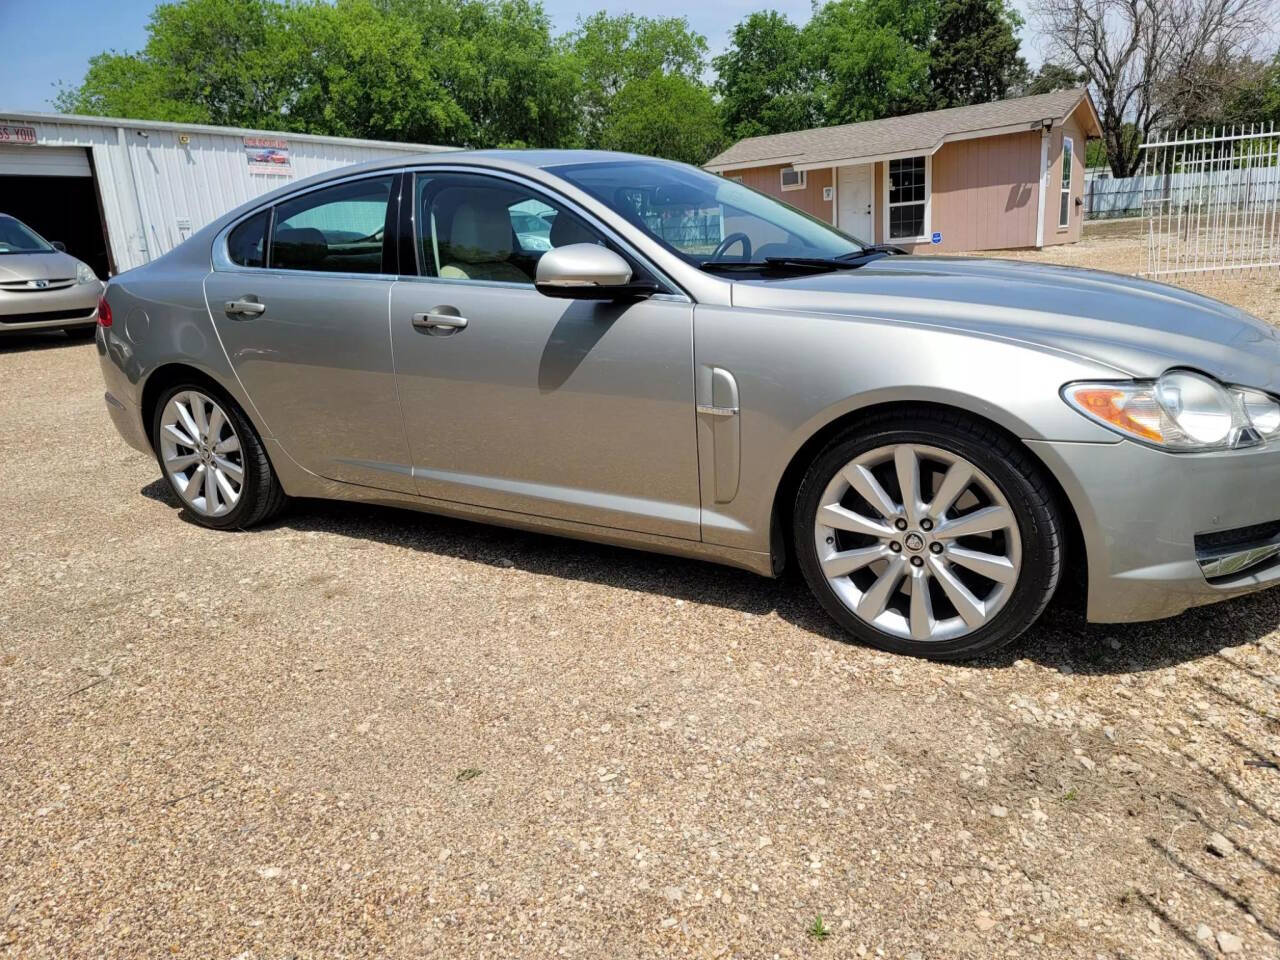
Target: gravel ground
{"points": [[364, 733]]}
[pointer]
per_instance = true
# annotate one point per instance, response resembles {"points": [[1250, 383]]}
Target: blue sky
{"points": [[42, 43]]}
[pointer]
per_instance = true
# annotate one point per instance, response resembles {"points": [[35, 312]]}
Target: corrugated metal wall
{"points": [[156, 191]]}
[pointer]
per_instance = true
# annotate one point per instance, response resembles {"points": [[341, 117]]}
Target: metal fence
{"points": [[1211, 201]]}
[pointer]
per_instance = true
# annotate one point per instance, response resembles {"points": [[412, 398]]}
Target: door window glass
{"points": [[247, 243], [337, 230], [482, 228]]}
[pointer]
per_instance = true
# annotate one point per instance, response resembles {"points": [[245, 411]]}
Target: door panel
{"points": [[854, 190], [317, 364], [571, 409]]}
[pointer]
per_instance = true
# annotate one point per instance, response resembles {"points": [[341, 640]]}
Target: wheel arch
{"points": [[167, 375], [1075, 562]]}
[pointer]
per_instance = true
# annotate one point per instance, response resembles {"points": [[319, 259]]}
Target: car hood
{"points": [[37, 266], [1137, 326]]}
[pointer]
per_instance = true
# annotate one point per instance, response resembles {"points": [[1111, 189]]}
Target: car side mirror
{"points": [[58, 245], [587, 271]]}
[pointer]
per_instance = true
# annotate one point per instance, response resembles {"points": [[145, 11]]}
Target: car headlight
{"points": [[85, 274], [1182, 411]]}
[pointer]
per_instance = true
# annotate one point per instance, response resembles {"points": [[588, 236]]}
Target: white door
{"points": [[853, 193]]}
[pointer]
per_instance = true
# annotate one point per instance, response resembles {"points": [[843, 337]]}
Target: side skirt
{"points": [[300, 482]]}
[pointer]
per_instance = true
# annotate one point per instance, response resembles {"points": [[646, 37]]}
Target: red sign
{"points": [[10, 133]]}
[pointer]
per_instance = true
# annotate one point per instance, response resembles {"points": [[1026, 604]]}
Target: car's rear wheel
{"points": [[930, 534], [213, 458]]}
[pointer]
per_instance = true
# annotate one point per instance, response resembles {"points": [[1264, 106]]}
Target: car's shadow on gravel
{"points": [[38, 340], [1060, 640]]}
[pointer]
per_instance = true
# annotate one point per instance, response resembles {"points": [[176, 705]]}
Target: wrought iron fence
{"points": [[1211, 200]]}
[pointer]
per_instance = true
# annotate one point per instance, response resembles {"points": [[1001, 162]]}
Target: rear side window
{"points": [[247, 243], [336, 230]]}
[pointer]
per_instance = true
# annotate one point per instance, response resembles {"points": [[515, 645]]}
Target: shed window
{"points": [[908, 203], [794, 179], [1064, 204]]}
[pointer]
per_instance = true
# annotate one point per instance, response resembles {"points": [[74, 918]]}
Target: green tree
{"points": [[664, 115], [764, 79], [872, 57], [610, 52], [974, 52], [216, 61]]}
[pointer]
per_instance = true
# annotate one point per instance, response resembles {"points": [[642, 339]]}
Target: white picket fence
{"points": [[1211, 201]]}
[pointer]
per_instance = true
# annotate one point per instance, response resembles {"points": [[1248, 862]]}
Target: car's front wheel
{"points": [[213, 458], [928, 534]]}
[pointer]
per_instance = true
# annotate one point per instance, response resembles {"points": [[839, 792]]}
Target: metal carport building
{"points": [[119, 192]]}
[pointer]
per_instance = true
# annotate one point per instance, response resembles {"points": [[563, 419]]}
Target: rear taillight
{"points": [[104, 312]]}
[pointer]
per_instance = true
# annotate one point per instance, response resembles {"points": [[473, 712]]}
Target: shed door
{"points": [[853, 190]]}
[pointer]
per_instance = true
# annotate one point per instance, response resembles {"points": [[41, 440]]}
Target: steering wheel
{"points": [[729, 241]]}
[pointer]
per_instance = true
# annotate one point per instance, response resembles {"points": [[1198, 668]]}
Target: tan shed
{"points": [[986, 177]]}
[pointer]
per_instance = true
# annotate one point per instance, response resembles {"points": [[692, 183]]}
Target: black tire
{"points": [[1018, 477], [261, 496], [81, 333]]}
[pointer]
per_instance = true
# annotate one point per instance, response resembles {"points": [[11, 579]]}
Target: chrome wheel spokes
{"points": [[918, 542], [201, 453]]}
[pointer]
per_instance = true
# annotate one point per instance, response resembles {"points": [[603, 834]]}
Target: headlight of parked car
{"points": [[1181, 411], [85, 274]]}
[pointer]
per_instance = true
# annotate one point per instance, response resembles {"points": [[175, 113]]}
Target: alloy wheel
{"points": [[201, 453], [918, 542]]}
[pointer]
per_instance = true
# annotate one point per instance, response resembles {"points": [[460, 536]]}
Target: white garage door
{"points": [[44, 161]]}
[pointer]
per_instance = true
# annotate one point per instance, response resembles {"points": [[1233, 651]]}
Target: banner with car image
{"points": [[268, 155]]}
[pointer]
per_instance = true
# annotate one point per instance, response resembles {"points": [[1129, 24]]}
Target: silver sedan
{"points": [[687, 366]]}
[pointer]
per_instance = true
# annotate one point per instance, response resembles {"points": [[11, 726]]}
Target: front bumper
{"points": [[1165, 532], [72, 306]]}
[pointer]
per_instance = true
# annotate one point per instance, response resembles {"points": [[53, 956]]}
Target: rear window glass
{"points": [[246, 244], [336, 230]]}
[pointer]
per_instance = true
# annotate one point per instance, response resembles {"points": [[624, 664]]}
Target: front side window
{"points": [[247, 243], [339, 229], [17, 237], [1064, 201], [908, 198], [704, 218], [475, 227]]}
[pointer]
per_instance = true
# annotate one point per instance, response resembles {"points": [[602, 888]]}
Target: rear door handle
{"points": [[439, 320], [245, 308]]}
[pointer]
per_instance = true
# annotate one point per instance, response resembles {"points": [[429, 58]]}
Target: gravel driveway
{"points": [[365, 733]]}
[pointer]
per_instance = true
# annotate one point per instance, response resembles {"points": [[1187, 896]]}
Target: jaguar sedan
{"points": [[684, 365]]}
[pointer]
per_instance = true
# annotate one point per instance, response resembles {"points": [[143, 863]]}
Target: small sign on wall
{"points": [[936, 238], [16, 133], [828, 194], [268, 155]]}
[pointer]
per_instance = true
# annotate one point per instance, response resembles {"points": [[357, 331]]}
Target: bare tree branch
{"points": [[1152, 63]]}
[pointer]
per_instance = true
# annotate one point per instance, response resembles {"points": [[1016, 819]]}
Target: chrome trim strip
{"points": [[713, 411], [1237, 561]]}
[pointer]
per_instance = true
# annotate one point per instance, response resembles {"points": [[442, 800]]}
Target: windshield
{"points": [[16, 237], [705, 218]]}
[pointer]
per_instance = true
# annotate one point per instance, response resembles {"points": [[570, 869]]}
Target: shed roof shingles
{"points": [[921, 132]]}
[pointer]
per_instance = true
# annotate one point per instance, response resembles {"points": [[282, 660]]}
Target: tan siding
{"points": [[1053, 234], [984, 194], [769, 180]]}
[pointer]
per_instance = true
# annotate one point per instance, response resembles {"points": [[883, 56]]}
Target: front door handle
{"points": [[440, 320], [245, 308]]}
